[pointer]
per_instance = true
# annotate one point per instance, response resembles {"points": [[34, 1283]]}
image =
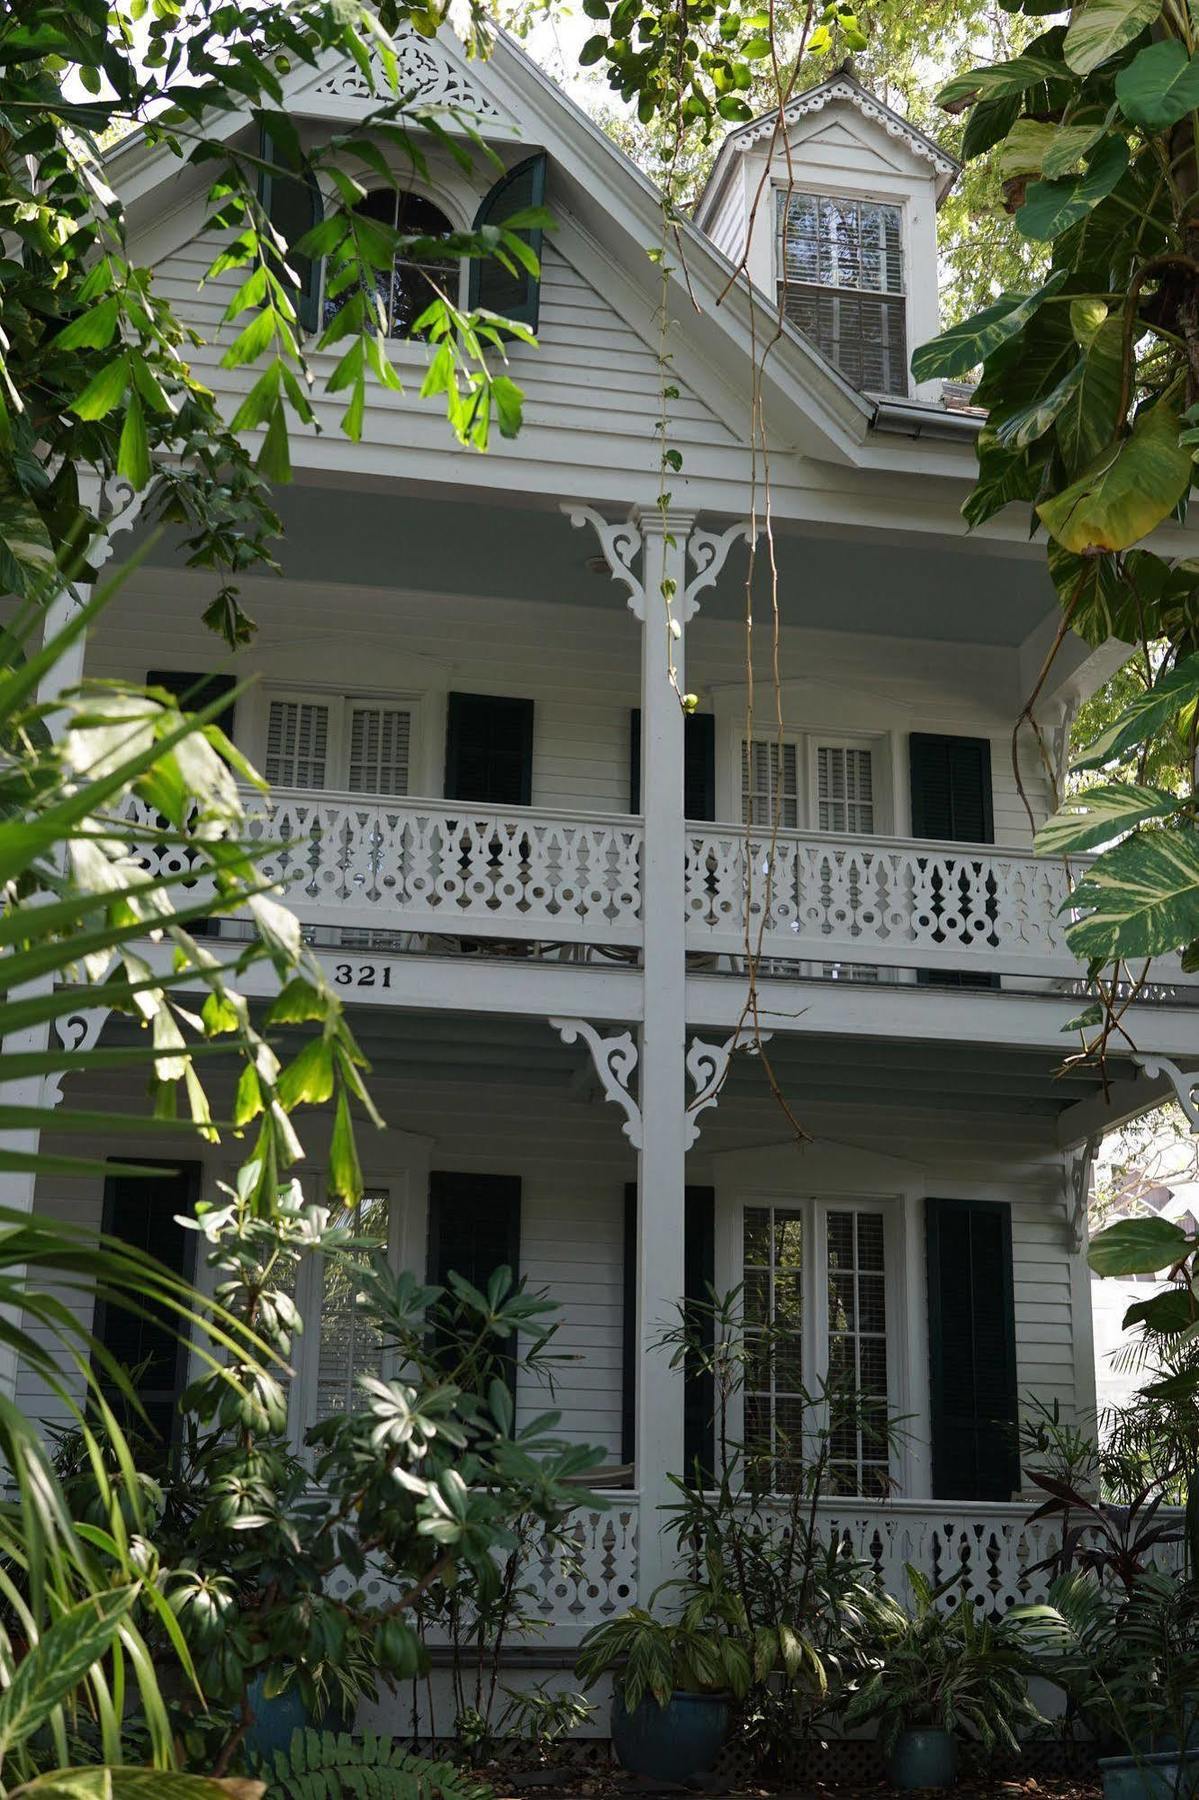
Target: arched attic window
{"points": [[413, 282]]}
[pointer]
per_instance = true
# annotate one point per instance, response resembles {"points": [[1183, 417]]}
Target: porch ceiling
{"points": [[943, 590]]}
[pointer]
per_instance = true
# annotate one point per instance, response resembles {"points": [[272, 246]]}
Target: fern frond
{"points": [[335, 1765]]}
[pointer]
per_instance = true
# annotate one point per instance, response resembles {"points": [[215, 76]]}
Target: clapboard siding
{"points": [[580, 335], [579, 663], [573, 1163]]}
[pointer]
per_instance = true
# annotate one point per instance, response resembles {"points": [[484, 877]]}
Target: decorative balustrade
{"points": [[804, 901], [431, 866], [882, 902]]}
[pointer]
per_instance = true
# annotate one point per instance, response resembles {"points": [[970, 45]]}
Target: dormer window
{"points": [[841, 281], [414, 281]]}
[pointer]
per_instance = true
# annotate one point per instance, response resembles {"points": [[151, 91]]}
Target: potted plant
{"points": [[1129, 1665], [941, 1676], [672, 1681]]}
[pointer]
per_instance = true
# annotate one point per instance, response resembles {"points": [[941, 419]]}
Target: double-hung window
{"points": [[356, 745], [841, 281], [770, 783], [339, 1344], [841, 783], [817, 1318]]}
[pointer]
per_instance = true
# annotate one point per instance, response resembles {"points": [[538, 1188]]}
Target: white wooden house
{"points": [[535, 885]]}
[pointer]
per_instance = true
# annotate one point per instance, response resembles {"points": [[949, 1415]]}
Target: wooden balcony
{"points": [[438, 876]]}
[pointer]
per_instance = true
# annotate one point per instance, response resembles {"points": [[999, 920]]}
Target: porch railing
{"points": [[809, 902], [880, 902]]}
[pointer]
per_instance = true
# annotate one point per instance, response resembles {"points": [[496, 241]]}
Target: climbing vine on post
{"points": [[1092, 387]]}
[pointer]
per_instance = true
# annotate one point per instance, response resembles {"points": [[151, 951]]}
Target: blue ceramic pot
{"points": [[1160, 1775], [924, 1759], [277, 1720], [671, 1742]]}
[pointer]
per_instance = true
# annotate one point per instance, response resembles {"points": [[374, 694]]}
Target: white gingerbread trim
{"points": [[615, 1059], [76, 1032], [844, 87], [1076, 1191], [1184, 1083], [620, 546], [709, 551], [708, 1067], [428, 79]]}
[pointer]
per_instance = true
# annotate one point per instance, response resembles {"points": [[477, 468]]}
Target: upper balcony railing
{"points": [[434, 873]]}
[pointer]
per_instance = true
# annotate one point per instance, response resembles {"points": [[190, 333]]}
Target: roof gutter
{"points": [[907, 418]]}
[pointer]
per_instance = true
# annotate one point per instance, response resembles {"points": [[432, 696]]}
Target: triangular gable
{"points": [[837, 135], [432, 75], [845, 90]]}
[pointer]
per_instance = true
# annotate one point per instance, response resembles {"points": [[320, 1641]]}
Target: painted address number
{"points": [[362, 975]]}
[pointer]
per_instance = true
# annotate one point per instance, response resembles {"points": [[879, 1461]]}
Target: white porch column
{"points": [[659, 1435]]}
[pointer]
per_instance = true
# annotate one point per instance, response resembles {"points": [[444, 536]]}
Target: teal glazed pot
{"points": [[1159, 1775], [671, 1742], [277, 1720], [924, 1759]]}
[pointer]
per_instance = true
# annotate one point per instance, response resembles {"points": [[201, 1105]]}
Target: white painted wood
{"points": [[660, 1162]]}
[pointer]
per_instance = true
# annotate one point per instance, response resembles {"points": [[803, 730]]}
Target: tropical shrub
{"points": [[702, 1648], [947, 1670]]}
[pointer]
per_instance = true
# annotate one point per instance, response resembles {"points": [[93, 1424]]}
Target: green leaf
{"points": [[1127, 492], [345, 1174], [1159, 86], [1138, 1247], [59, 1662], [1102, 27], [92, 330], [1014, 430], [94, 1783], [1023, 150], [1098, 815], [133, 452], [1090, 418], [989, 123], [964, 346], [1070, 144], [1140, 899], [1051, 207], [104, 391], [1171, 1312], [1145, 716]]}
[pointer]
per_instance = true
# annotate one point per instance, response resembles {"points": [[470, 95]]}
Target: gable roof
{"points": [[843, 88], [717, 322]]}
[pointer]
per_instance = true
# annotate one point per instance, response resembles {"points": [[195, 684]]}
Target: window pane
{"points": [[297, 743], [772, 1261], [844, 788], [349, 1346], [380, 738], [857, 1350], [770, 783]]}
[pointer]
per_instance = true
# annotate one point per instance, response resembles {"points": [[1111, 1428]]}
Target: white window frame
{"points": [[859, 196], [341, 706], [789, 740], [815, 741], [807, 740], [900, 1277]]}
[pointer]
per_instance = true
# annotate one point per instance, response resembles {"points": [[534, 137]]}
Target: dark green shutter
{"points": [[952, 803], [951, 788], [699, 1276], [194, 691], [699, 765], [972, 1349], [514, 293], [489, 750], [474, 1229], [293, 206], [142, 1211]]}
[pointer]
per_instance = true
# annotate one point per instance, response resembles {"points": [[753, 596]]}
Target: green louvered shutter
{"points": [[489, 750], [142, 1211], [972, 1349], [293, 206], [699, 765], [952, 803], [514, 293], [699, 1276], [194, 692], [474, 1229]]}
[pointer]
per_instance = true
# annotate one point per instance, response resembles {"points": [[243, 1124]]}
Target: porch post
{"points": [[659, 1430]]}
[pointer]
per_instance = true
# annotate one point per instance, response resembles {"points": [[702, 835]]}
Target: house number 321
{"points": [[361, 975]]}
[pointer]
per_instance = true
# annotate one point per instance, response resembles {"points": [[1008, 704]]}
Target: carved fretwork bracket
{"points": [[75, 1031], [622, 544], [1184, 1082], [615, 1060], [708, 1067], [1076, 1186]]}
